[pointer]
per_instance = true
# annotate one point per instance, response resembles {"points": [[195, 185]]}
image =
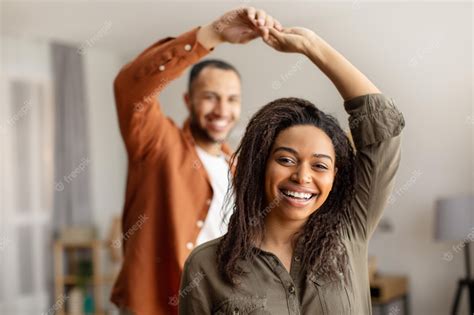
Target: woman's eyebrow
{"points": [[293, 151], [285, 149], [320, 155]]}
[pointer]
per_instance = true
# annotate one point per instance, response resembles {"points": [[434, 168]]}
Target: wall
{"points": [[108, 157]]}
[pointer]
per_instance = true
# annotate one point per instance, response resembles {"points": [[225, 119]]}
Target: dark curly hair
{"points": [[324, 253]]}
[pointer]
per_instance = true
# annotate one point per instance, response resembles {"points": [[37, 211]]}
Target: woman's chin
{"points": [[295, 214]]}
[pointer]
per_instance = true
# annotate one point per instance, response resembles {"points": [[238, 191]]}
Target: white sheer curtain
{"points": [[26, 175], [72, 204]]}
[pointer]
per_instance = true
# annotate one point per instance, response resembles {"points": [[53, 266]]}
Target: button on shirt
{"points": [[268, 288], [214, 225]]}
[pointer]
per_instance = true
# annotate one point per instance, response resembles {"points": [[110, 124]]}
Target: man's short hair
{"points": [[209, 63]]}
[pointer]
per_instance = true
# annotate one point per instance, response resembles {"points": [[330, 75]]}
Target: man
{"points": [[177, 178]]}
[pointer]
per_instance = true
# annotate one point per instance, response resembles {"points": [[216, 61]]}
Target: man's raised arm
{"points": [[142, 123]]}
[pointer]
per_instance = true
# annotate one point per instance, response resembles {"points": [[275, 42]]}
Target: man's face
{"points": [[214, 103]]}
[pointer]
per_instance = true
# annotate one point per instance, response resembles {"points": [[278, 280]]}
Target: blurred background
{"points": [[63, 162]]}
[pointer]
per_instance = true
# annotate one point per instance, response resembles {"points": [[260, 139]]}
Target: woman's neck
{"points": [[279, 239], [280, 234]]}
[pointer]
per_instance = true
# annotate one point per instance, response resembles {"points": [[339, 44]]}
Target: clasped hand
{"points": [[244, 24]]}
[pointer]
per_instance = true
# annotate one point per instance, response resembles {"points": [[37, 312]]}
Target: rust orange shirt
{"points": [[168, 190]]}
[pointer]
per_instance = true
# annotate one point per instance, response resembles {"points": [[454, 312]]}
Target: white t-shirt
{"points": [[218, 171]]}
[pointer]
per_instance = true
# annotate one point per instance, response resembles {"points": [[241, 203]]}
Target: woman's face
{"points": [[300, 172]]}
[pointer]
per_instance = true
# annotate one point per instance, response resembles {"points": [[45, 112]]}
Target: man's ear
{"points": [[187, 100]]}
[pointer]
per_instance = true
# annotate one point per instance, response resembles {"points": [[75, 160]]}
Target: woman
{"points": [[305, 204]]}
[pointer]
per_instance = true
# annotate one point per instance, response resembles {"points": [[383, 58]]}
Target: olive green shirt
{"points": [[268, 288]]}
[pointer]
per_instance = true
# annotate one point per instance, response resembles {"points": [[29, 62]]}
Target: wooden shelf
{"points": [[81, 244], [97, 279], [384, 289], [103, 313], [71, 280]]}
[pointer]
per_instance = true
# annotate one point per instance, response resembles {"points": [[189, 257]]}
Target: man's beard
{"points": [[200, 132]]}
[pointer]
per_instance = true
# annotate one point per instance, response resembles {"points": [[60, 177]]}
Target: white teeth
{"points": [[298, 194], [219, 123]]}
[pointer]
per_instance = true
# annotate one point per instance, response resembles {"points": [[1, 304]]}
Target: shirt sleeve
{"points": [[376, 125], [136, 87], [193, 296]]}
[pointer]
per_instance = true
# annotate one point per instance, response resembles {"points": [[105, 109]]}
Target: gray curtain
{"points": [[72, 205]]}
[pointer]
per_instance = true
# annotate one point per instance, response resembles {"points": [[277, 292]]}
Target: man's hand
{"points": [[292, 39], [237, 26]]}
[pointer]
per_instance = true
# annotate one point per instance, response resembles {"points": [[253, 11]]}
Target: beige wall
{"points": [[107, 152]]}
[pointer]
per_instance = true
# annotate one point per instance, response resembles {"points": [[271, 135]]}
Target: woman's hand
{"points": [[292, 39], [243, 24]]}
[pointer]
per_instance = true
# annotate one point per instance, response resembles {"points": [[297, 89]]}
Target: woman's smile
{"points": [[299, 200]]}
